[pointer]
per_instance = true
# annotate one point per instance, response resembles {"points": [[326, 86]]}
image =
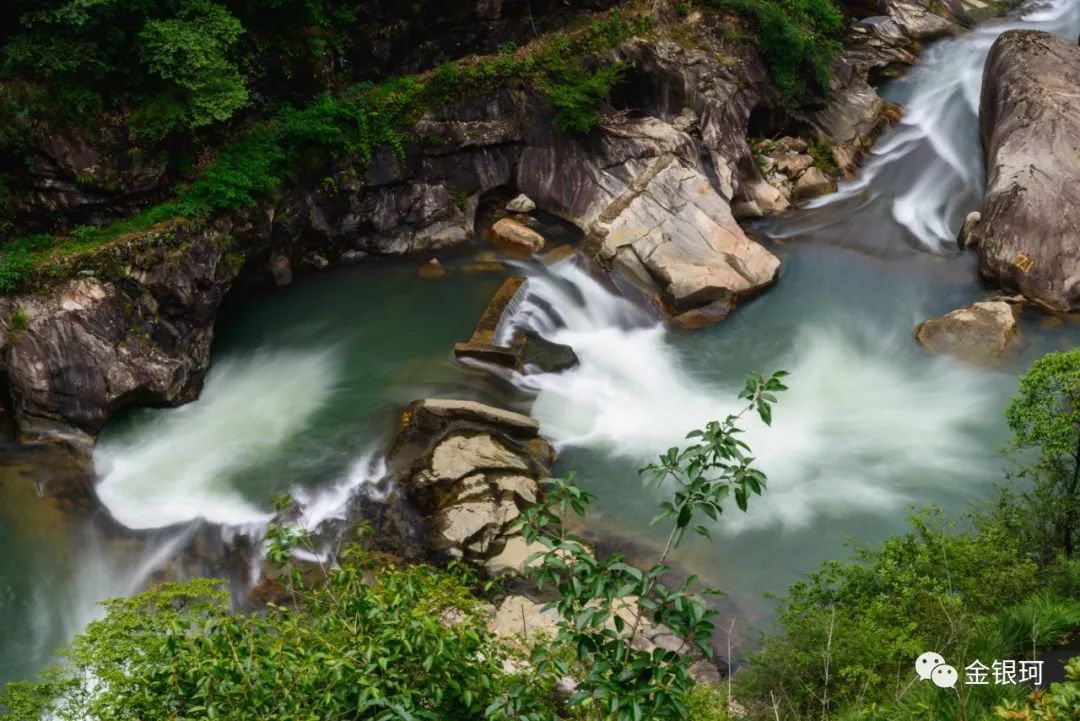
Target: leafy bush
{"points": [[605, 604], [1045, 417], [18, 258], [411, 643], [1003, 587], [1060, 703], [798, 40]]}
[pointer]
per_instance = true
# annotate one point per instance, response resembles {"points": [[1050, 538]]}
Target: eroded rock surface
{"points": [[470, 469], [78, 353], [1028, 232]]}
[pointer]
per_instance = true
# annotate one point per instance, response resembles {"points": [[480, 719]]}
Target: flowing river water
{"points": [[307, 382]]}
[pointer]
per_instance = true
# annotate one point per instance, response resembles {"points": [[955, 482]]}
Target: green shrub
{"points": [[18, 258], [1060, 703], [823, 156], [405, 643], [798, 40]]}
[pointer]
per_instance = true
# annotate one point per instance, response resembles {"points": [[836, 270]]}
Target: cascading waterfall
{"points": [[927, 172]]}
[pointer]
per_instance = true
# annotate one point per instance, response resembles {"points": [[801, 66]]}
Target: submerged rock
{"points": [[516, 237], [979, 333], [432, 270], [1028, 233]]}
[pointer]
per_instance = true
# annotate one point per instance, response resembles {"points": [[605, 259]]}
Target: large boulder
{"points": [[135, 334], [978, 333], [672, 231], [1028, 233]]}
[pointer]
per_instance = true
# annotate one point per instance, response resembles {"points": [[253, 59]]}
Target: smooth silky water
{"points": [[307, 382]]}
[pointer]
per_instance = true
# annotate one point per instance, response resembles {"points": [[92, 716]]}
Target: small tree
{"points": [[1045, 416], [605, 605]]}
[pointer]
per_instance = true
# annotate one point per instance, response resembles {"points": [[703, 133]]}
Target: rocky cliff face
{"points": [[652, 187], [139, 335], [1028, 231]]}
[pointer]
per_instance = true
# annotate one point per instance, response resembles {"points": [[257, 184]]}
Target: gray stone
{"points": [[1028, 232], [672, 225], [511, 559], [812, 183], [459, 456], [967, 237], [521, 204]]}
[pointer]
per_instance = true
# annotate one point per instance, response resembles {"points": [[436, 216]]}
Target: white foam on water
{"points": [[175, 467], [861, 429], [327, 504]]}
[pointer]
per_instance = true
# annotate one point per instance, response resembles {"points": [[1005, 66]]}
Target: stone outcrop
{"points": [[1028, 232], [470, 469], [979, 333], [84, 349], [671, 231]]}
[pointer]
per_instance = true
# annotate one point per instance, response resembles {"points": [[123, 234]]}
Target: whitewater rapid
{"points": [[861, 428]]}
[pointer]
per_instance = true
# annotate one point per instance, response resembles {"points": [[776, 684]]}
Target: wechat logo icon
{"points": [[931, 666]]}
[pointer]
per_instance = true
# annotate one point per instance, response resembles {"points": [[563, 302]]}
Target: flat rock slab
{"points": [[444, 411]]}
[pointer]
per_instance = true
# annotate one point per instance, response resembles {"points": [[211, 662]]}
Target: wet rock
{"points": [[280, 269], [516, 237], [812, 183], [482, 344], [558, 254], [546, 356], [979, 333], [967, 237], [521, 204], [1028, 234], [432, 270]]}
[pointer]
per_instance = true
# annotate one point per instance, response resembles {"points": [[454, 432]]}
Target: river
{"points": [[307, 382]]}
